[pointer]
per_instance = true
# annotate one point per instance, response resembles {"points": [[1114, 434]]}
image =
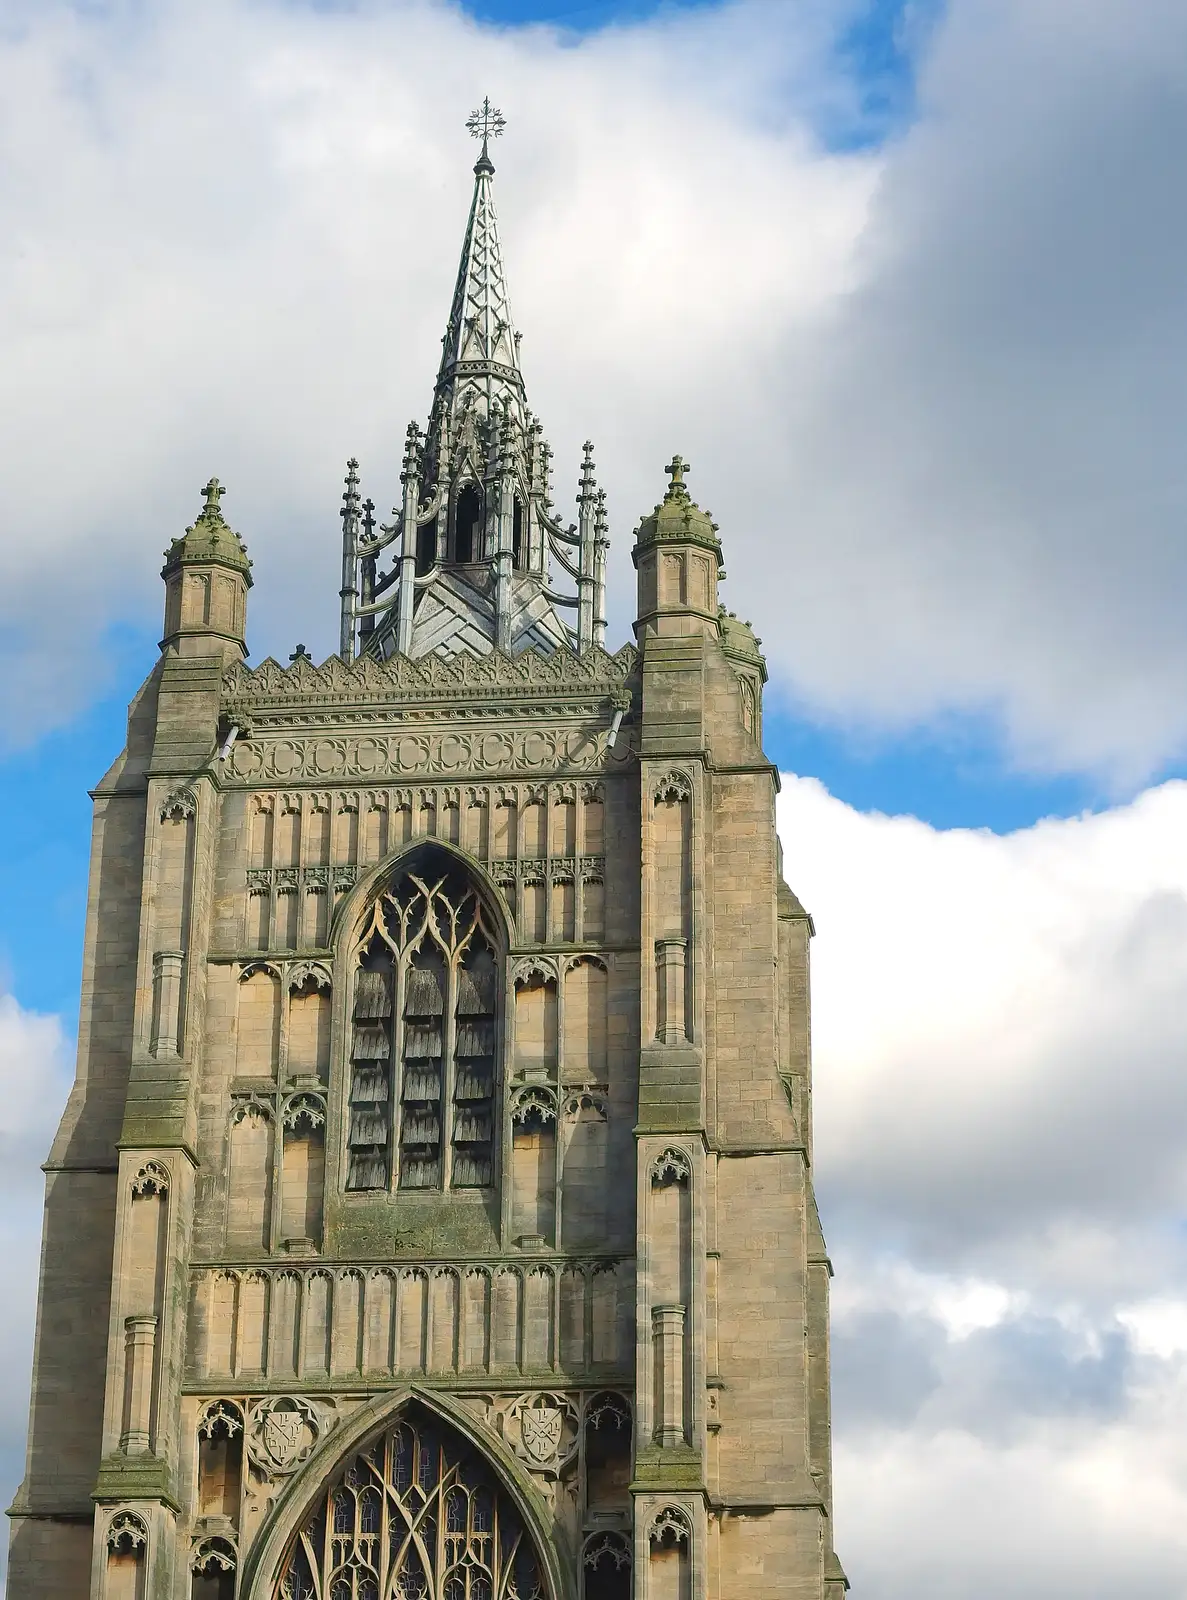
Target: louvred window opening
{"points": [[425, 1036]]}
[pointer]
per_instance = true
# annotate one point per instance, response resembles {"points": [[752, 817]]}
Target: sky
{"points": [[903, 280]]}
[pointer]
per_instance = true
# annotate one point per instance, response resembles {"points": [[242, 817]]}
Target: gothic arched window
{"points": [[417, 1515], [424, 1055]]}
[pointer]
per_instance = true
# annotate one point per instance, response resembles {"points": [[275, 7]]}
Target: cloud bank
{"points": [[932, 390], [1000, 1034]]}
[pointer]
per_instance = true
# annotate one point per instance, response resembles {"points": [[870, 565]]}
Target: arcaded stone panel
{"points": [[70, 1355], [762, 1311], [277, 1323], [752, 1105]]}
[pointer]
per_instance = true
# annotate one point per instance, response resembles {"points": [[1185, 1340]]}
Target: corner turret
{"points": [[207, 575], [677, 555]]}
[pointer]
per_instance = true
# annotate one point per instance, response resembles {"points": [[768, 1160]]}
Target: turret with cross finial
{"points": [[678, 558], [207, 575]]}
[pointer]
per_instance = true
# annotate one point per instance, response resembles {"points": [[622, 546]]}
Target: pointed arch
{"points": [[350, 912], [365, 1443], [423, 963]]}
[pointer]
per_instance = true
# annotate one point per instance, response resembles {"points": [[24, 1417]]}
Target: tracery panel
{"points": [[416, 1515], [425, 1035]]}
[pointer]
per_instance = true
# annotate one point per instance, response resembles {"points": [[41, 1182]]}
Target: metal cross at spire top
{"points": [[486, 123]]}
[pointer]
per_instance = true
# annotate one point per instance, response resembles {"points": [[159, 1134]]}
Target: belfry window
{"points": [[426, 547], [517, 560], [424, 1060], [467, 523]]}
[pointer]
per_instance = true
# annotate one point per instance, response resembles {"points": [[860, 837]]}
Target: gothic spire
{"points": [[478, 539], [480, 350]]}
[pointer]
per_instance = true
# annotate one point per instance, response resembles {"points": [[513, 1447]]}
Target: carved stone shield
{"points": [[282, 1433], [540, 1428]]}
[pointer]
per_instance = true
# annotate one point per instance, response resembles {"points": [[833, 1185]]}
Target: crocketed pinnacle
{"points": [[211, 540], [678, 518]]}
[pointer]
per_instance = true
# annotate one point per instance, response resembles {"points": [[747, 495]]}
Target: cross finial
{"points": [[214, 492], [486, 123], [675, 470]]}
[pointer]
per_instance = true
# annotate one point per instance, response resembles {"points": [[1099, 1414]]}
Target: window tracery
{"points": [[424, 1045], [416, 1515]]}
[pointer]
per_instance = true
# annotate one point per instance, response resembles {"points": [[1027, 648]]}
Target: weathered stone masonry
{"points": [[432, 1214]]}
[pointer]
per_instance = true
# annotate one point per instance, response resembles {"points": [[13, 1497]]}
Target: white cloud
{"points": [[1000, 1030], [933, 393]]}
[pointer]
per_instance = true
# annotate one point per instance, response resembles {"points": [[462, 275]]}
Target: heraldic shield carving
{"points": [[542, 1429], [418, 1514], [282, 1433]]}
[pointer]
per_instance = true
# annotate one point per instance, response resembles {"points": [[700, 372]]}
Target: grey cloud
{"points": [[895, 1370], [980, 481]]}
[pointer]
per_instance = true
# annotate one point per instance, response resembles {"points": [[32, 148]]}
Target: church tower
{"points": [[432, 1215]]}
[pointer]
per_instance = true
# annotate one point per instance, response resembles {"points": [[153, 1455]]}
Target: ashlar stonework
{"points": [[432, 1214]]}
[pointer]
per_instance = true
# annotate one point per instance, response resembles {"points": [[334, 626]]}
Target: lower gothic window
{"points": [[415, 1516], [424, 1035]]}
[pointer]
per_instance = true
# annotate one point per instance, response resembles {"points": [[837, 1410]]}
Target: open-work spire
{"points": [[478, 537], [480, 350]]}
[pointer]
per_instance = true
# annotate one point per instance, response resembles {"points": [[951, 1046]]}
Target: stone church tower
{"points": [[432, 1216]]}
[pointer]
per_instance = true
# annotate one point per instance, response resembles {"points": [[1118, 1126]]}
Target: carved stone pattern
{"points": [[181, 803], [551, 869], [221, 1414], [543, 1429], [287, 880], [528, 968], [673, 1166], [673, 785], [351, 1291], [304, 1107], [593, 1098], [126, 1531], [670, 1523], [460, 676], [544, 749], [250, 1105], [302, 973], [152, 1178], [214, 1555], [534, 1100], [601, 1547], [282, 1433]]}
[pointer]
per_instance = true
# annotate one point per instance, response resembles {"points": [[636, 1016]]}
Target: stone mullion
{"points": [[448, 1071], [395, 1076]]}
